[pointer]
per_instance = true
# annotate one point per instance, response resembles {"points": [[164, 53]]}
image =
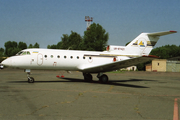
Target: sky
{"points": [[45, 21]]}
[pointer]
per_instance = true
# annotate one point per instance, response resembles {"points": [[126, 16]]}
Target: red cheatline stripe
{"points": [[175, 115]]}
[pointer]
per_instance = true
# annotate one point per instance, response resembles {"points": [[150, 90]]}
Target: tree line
{"points": [[94, 39], [166, 52], [12, 47]]}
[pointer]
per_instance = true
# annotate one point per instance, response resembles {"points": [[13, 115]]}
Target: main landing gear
{"points": [[103, 78], [87, 77], [30, 79]]}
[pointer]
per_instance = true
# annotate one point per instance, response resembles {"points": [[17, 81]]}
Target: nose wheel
{"points": [[30, 79]]}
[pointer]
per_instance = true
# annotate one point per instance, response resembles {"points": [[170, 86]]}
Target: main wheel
{"points": [[104, 78], [30, 80], [87, 77]]}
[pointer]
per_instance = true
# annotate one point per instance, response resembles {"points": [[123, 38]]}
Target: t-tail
{"points": [[142, 44]]}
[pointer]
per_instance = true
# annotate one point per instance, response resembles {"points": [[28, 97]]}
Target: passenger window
{"points": [[58, 56], [77, 57], [51, 56], [90, 58], [84, 57], [45, 56], [71, 57], [65, 57]]}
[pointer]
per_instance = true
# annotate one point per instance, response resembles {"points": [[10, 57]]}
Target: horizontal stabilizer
{"points": [[161, 33]]}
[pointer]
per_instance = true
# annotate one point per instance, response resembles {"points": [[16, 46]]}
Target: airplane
{"points": [[87, 62]]}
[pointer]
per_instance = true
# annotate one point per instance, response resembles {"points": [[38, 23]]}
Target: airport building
{"points": [[131, 68], [164, 65]]}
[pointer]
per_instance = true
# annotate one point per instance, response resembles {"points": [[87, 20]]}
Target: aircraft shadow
{"points": [[111, 82]]}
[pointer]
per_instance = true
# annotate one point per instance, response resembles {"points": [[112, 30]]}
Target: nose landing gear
{"points": [[30, 79]]}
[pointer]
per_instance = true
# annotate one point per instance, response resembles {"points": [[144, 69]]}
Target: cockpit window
{"points": [[28, 53], [23, 53], [19, 53]]}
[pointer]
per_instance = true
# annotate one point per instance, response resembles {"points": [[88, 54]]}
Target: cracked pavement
{"points": [[127, 96]]}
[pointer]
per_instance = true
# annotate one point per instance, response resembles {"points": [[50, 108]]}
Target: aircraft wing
{"points": [[116, 65]]}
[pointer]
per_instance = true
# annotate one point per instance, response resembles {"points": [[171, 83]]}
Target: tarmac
{"points": [[127, 96]]}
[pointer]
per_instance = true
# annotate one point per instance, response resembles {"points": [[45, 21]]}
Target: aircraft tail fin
{"points": [[144, 43]]}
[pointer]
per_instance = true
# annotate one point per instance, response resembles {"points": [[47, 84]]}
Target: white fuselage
{"points": [[61, 59]]}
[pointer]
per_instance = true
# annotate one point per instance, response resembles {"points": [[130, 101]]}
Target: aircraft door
{"points": [[39, 59]]}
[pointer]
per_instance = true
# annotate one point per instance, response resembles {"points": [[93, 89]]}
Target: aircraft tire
{"points": [[31, 80], [87, 77], [104, 78]]}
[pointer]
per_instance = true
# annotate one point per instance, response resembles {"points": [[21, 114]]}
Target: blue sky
{"points": [[44, 21]]}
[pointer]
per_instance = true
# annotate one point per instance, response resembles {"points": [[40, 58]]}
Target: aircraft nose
{"points": [[6, 62]]}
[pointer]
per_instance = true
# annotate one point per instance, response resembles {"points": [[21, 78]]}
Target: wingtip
{"points": [[173, 31]]}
